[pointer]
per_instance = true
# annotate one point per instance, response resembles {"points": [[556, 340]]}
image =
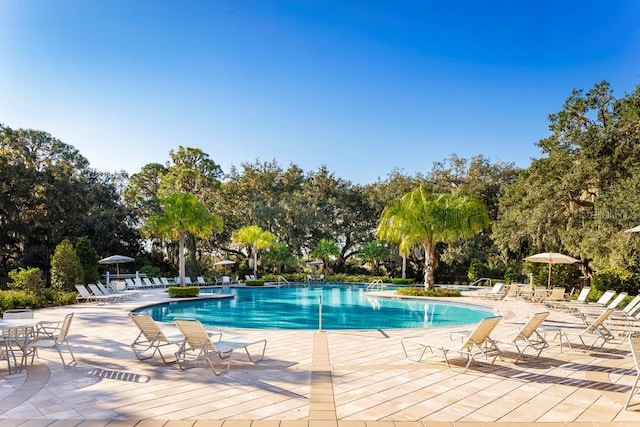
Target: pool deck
{"points": [[317, 379]]}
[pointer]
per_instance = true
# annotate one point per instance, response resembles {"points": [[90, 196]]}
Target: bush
{"points": [[419, 292], [150, 270], [66, 269], [403, 281], [183, 291], [619, 281], [28, 280], [254, 282]]}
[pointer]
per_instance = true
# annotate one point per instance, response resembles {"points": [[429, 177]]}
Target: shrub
{"points": [[403, 281], [20, 299], [254, 282], [150, 270], [66, 269], [419, 292], [183, 291], [29, 280], [619, 281]]}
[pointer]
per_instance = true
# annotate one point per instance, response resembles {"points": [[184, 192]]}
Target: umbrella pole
{"points": [[549, 278]]}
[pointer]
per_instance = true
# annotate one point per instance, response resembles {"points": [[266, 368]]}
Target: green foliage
{"points": [[477, 270], [150, 270], [58, 298], [374, 253], [183, 291], [399, 281], [619, 281], [12, 299], [88, 260], [254, 239], [254, 282], [424, 219], [66, 269], [29, 280], [279, 258], [50, 193], [182, 215], [436, 292], [354, 278], [326, 249]]}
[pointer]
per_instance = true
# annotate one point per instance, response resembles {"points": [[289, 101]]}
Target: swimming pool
{"points": [[343, 307]]}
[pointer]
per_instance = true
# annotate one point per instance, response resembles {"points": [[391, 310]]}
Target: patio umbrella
{"points": [[117, 260], [225, 263], [635, 229], [551, 258], [316, 263]]}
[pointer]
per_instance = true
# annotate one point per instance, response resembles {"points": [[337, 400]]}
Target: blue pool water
{"points": [[343, 307]]}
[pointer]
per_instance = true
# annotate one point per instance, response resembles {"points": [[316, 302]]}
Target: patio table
{"points": [[16, 334]]}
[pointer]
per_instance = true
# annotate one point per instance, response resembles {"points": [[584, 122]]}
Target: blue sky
{"points": [[362, 87]]}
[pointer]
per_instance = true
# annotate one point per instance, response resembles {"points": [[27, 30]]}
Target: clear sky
{"points": [[362, 87]]}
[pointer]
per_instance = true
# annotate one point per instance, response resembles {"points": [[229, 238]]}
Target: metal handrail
{"points": [[376, 285], [482, 280]]}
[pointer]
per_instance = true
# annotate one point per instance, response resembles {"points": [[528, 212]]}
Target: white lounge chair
{"points": [[165, 282], [556, 297], [98, 292], [151, 338], [200, 280], [528, 337], [157, 283], [634, 343], [597, 329], [85, 295], [496, 292], [477, 342], [581, 300], [198, 346]]}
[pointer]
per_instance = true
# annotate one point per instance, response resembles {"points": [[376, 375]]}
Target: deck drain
{"points": [[120, 376]]}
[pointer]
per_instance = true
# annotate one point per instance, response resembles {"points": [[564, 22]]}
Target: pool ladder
{"points": [[376, 285]]}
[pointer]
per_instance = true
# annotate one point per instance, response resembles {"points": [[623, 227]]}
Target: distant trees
{"points": [[585, 190], [576, 198], [50, 194]]}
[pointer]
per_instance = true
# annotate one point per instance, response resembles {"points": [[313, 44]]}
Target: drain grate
{"points": [[120, 376]]}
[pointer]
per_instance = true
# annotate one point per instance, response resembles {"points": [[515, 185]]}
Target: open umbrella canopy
{"points": [[635, 229], [315, 262], [117, 260], [225, 262], [551, 258]]}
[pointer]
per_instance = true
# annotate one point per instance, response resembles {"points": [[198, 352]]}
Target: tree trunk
{"points": [[181, 272], [428, 266], [404, 266], [255, 263]]}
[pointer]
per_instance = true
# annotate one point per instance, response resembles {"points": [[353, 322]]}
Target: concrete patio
{"points": [[318, 379]]}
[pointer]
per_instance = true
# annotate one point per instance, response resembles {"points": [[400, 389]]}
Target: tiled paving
{"points": [[317, 379]]}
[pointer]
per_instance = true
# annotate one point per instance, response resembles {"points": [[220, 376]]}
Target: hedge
{"points": [[420, 292], [254, 282], [183, 291]]}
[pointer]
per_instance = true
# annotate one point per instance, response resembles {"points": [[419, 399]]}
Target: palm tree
{"points": [[182, 214], [373, 253], [421, 218], [254, 238], [325, 249]]}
